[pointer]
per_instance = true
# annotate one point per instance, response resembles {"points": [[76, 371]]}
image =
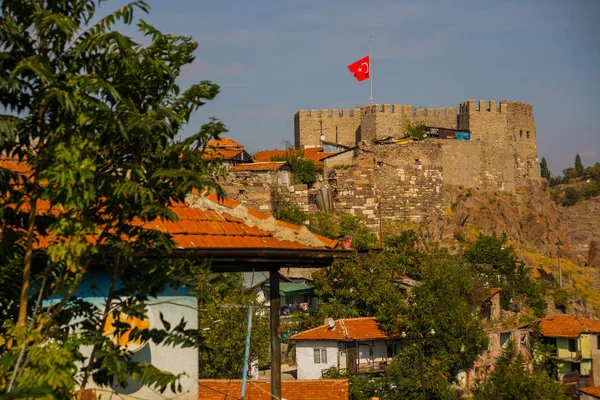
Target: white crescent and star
{"points": [[367, 67]]}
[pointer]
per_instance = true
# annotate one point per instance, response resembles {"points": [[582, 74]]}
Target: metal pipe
{"points": [[275, 344], [247, 353]]}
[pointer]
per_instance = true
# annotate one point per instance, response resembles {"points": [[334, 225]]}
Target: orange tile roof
{"points": [[567, 326], [259, 166], [314, 154], [345, 330], [293, 389], [221, 153], [209, 222], [225, 143], [592, 391]]}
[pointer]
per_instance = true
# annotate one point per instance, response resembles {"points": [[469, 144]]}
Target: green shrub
{"points": [[590, 190], [571, 197], [283, 208], [325, 223]]}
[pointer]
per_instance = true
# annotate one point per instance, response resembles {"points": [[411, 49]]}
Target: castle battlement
{"points": [[332, 113], [504, 106], [408, 110]]}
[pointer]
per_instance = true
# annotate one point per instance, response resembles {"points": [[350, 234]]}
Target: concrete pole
{"points": [[275, 344]]}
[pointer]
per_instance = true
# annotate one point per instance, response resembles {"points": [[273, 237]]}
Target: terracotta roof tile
{"points": [[567, 326], [206, 221], [345, 330], [225, 143], [490, 293], [314, 154], [259, 166], [591, 390], [224, 154]]}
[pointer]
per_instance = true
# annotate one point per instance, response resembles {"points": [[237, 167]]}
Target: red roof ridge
{"points": [[342, 331], [266, 222]]}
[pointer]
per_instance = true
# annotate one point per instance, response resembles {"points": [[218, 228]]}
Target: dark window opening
{"points": [[241, 191], [575, 367], [504, 338], [598, 342], [527, 134], [417, 161], [521, 132], [572, 345]]}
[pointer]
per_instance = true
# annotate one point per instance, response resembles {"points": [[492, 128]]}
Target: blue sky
{"points": [[272, 58]]}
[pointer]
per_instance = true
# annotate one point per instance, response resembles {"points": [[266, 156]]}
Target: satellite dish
{"points": [[322, 138], [331, 323]]}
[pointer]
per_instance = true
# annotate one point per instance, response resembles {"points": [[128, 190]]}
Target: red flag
{"points": [[361, 69]]}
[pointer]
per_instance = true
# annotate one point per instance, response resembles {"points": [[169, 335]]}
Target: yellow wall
{"points": [[562, 345], [585, 342]]}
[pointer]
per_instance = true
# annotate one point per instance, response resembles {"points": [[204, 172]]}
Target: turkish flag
{"points": [[361, 69]]}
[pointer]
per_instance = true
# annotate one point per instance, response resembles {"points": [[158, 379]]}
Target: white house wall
{"points": [[307, 369]]}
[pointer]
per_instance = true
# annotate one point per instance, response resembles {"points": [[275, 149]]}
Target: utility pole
{"points": [[420, 339], [559, 268]]}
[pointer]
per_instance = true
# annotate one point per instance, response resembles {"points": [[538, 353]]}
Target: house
{"points": [[355, 345], [272, 172], [235, 238], [490, 305], [228, 151], [577, 342]]}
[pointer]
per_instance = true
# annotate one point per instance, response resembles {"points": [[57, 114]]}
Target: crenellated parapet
{"points": [[408, 110]]}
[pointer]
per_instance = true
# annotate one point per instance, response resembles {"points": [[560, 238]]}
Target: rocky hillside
{"points": [[581, 222], [528, 216]]}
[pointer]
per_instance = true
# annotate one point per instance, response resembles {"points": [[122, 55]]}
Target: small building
{"points": [[355, 345], [490, 305], [272, 172], [577, 342], [228, 151]]}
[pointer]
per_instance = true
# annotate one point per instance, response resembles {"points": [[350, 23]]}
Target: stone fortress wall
{"points": [[406, 181]]}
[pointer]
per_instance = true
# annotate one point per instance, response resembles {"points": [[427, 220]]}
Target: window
{"points": [[598, 342], [372, 353], [575, 367], [504, 337], [320, 356], [527, 134], [572, 345], [521, 132]]}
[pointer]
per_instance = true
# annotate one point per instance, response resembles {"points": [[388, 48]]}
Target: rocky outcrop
{"points": [[581, 223], [528, 216], [594, 254]]}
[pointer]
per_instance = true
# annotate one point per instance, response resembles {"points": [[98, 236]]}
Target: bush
{"points": [[590, 190], [571, 197], [283, 208], [305, 171], [353, 226], [325, 223]]}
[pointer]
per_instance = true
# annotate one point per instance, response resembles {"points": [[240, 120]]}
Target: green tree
{"points": [[512, 379], [96, 117], [305, 171], [225, 328], [325, 223], [578, 166], [354, 227], [545, 172], [447, 301], [497, 261]]}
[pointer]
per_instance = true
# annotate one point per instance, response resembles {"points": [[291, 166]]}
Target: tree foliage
{"points": [[497, 261], [578, 166], [95, 115], [545, 172], [305, 170], [513, 379], [225, 327]]}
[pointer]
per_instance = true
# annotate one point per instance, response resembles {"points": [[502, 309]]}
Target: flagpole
{"points": [[370, 70]]}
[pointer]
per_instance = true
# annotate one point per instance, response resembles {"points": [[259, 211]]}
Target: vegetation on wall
{"points": [[305, 170]]}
